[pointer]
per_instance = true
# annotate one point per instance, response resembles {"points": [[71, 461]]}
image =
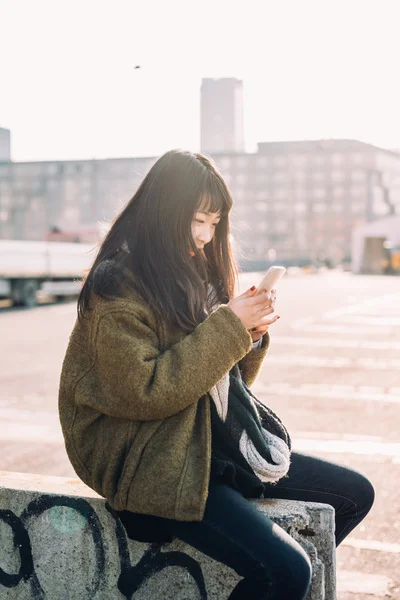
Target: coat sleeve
{"points": [[139, 382], [250, 365]]}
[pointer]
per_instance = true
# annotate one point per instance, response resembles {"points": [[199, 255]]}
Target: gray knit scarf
{"points": [[257, 431]]}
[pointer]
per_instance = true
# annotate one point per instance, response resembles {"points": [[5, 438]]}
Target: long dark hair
{"points": [[151, 239]]}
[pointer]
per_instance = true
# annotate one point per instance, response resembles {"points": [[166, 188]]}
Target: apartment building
{"points": [[37, 197], [298, 202]]}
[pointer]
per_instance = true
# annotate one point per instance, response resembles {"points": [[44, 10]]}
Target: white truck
{"points": [[54, 268]]}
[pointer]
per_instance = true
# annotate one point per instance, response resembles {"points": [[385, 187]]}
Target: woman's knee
{"points": [[365, 494], [261, 583], [300, 575], [292, 578], [370, 493]]}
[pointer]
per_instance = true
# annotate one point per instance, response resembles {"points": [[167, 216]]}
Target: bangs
{"points": [[216, 197]]}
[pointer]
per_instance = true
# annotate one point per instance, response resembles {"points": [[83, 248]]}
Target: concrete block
{"points": [[59, 542]]}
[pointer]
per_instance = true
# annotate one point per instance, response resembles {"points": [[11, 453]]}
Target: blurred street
{"points": [[332, 375]]}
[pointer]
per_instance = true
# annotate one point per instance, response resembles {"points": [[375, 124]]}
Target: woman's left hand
{"points": [[258, 332]]}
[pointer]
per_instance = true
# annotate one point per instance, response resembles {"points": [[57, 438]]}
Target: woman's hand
{"points": [[257, 332], [253, 309]]}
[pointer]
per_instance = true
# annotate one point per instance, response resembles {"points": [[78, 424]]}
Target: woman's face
{"points": [[203, 228]]}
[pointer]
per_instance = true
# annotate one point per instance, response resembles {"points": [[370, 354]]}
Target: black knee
{"points": [[370, 494], [365, 495], [292, 580], [299, 575]]}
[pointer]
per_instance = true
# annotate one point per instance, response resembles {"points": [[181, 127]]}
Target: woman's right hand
{"points": [[252, 308]]}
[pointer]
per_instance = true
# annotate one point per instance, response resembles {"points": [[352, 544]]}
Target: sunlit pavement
{"points": [[333, 375]]}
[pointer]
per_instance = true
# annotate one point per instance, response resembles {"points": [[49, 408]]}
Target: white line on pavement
{"points": [[29, 426], [371, 321], [19, 414], [33, 432], [372, 545], [362, 583], [333, 435], [368, 448], [337, 363], [335, 343], [376, 311], [387, 301], [313, 328], [380, 313], [339, 392]]}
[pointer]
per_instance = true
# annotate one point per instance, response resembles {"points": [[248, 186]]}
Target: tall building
{"points": [[222, 115], [5, 150]]}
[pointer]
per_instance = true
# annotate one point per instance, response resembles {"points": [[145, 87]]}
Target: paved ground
{"points": [[333, 375]]}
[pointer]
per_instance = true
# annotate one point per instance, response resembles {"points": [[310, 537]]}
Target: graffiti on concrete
{"points": [[153, 561], [131, 578], [19, 527]]}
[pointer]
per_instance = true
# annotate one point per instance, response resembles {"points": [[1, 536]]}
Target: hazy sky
{"points": [[311, 69]]}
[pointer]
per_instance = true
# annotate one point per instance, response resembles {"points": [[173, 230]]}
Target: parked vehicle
{"points": [[27, 267]]}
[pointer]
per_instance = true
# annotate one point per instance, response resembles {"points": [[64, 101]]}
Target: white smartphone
{"points": [[271, 278]]}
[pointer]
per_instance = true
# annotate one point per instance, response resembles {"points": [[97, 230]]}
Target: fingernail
{"points": [[253, 288], [278, 317]]}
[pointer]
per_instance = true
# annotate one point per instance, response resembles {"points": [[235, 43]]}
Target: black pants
{"points": [[273, 565]]}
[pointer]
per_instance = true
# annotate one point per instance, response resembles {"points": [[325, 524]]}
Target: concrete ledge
{"points": [[59, 542]]}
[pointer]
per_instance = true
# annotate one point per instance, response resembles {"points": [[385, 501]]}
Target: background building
{"points": [[294, 202], [298, 202], [39, 197], [5, 144], [222, 128]]}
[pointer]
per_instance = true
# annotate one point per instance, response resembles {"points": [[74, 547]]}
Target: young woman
{"points": [[154, 399]]}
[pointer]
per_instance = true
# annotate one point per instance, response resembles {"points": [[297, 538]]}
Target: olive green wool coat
{"points": [[134, 404]]}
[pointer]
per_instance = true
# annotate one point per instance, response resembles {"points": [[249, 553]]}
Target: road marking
{"points": [[387, 302], [29, 426], [355, 582], [346, 443], [368, 448], [337, 343], [332, 435], [339, 392], [383, 300], [343, 329], [33, 432], [371, 321], [18, 414], [364, 317], [373, 545], [378, 311], [336, 363]]}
